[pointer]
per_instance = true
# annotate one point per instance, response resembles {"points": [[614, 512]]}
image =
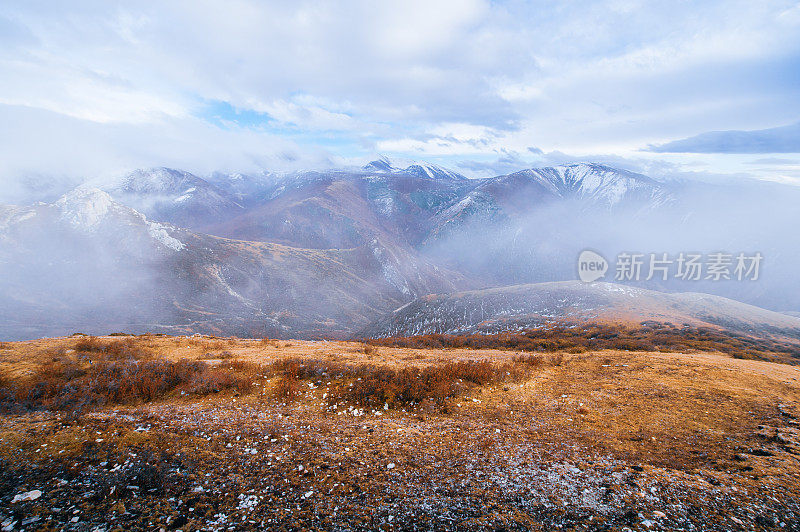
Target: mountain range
{"points": [[325, 253]]}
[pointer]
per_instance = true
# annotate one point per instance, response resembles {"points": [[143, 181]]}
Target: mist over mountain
{"points": [[521, 307], [325, 253]]}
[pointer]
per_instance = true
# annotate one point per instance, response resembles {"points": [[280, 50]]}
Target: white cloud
{"points": [[420, 78]]}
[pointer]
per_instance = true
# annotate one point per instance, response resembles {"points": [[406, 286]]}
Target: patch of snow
{"points": [[84, 207], [159, 232]]}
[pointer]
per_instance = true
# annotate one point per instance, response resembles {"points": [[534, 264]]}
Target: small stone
{"points": [[390, 465], [27, 496], [659, 515]]}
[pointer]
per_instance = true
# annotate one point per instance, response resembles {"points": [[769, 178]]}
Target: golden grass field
{"points": [[599, 440]]}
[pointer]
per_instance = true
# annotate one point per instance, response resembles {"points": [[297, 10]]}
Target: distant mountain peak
{"points": [[420, 169], [601, 183], [159, 179], [380, 165]]}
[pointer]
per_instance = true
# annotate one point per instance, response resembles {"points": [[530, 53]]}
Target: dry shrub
{"points": [[208, 344], [116, 349], [73, 385], [222, 355], [286, 387], [370, 350], [578, 338], [376, 387], [5, 345], [216, 380], [243, 367], [302, 368], [7, 390]]}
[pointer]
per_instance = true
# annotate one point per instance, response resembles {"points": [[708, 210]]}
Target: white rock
{"points": [[390, 465], [27, 496]]}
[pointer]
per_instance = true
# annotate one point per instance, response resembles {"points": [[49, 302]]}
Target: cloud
{"points": [[472, 79], [785, 139], [69, 150]]}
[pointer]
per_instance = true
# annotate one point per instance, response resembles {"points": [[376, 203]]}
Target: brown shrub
{"points": [[369, 350], [125, 348], [222, 355], [302, 368], [287, 387], [376, 386], [72, 385], [216, 380], [648, 336]]}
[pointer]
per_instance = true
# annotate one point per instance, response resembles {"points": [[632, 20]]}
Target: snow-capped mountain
{"points": [[88, 263], [86, 212], [175, 196], [321, 253], [602, 185], [419, 169], [246, 189], [592, 186]]}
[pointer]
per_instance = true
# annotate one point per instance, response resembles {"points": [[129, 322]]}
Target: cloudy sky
{"points": [[684, 89]]}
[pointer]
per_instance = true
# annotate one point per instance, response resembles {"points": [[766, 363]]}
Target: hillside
{"points": [[87, 263], [324, 253], [516, 308]]}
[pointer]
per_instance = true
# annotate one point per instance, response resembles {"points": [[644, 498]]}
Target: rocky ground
{"points": [[596, 441]]}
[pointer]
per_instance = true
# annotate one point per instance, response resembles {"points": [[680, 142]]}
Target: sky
{"points": [[92, 89]]}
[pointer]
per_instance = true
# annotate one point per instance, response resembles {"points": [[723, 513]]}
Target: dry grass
{"points": [[581, 338], [684, 421]]}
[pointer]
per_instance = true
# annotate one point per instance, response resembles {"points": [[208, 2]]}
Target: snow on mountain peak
{"points": [[419, 169], [157, 180], [84, 206], [596, 181]]}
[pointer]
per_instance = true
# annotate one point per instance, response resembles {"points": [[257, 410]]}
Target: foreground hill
{"points": [[520, 307], [192, 433]]}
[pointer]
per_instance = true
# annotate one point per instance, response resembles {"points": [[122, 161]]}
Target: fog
{"points": [[95, 266], [741, 217]]}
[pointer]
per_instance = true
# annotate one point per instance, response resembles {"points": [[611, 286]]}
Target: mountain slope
{"points": [[516, 308], [338, 209], [88, 263], [176, 197], [511, 198]]}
